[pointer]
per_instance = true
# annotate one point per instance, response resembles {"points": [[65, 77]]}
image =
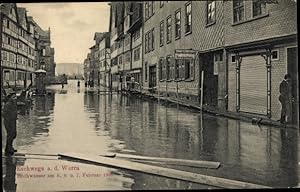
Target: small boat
{"points": [[24, 97]]}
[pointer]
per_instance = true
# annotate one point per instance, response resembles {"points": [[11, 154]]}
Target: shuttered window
{"points": [[185, 69], [177, 68], [161, 61], [168, 68], [164, 71], [253, 85], [172, 67], [192, 69]]}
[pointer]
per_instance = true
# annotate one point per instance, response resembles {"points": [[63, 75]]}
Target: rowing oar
{"points": [[171, 161]]}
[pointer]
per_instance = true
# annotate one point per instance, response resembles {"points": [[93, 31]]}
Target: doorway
{"points": [[152, 76], [210, 84], [292, 69]]}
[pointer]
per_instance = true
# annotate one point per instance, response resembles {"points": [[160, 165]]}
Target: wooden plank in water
{"points": [[161, 171], [173, 161], [39, 154]]}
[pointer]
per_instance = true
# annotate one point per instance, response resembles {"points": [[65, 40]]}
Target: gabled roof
{"points": [[6, 7], [37, 28], [22, 15], [98, 36], [94, 46]]}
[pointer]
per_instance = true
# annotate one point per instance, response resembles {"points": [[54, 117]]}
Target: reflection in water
{"points": [[68, 121], [246, 152], [288, 158], [9, 181], [36, 122]]}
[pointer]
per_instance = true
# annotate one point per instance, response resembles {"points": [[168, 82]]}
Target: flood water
{"points": [[71, 120]]}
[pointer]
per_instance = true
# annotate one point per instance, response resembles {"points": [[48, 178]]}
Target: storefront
{"points": [[254, 77]]}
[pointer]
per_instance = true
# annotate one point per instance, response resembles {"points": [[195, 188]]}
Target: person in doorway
{"points": [[10, 119], [285, 99], [85, 84]]}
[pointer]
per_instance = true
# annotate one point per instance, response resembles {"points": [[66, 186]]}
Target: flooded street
{"points": [[70, 120]]}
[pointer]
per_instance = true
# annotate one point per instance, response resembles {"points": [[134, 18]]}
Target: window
{"points": [[127, 57], [184, 69], [120, 59], [146, 43], [114, 61], [188, 18], [211, 12], [136, 54], [233, 59], [177, 67], [150, 5], [153, 40], [112, 47], [172, 67], [169, 29], [161, 34], [177, 24], [218, 57], [149, 41], [146, 11], [275, 55], [146, 71], [136, 35], [5, 57], [161, 69], [151, 8], [5, 22], [168, 68], [258, 8], [120, 44], [180, 63], [127, 40], [187, 68], [238, 10]]}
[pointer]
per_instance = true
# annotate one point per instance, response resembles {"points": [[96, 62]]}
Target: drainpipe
{"points": [[143, 23], [105, 64], [1, 67], [123, 62]]}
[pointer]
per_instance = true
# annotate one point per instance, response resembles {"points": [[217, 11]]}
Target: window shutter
{"points": [[182, 69], [192, 69], [160, 69], [187, 65], [172, 69], [163, 69], [176, 67]]}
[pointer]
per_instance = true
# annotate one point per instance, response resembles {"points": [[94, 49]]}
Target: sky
{"points": [[72, 26]]}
